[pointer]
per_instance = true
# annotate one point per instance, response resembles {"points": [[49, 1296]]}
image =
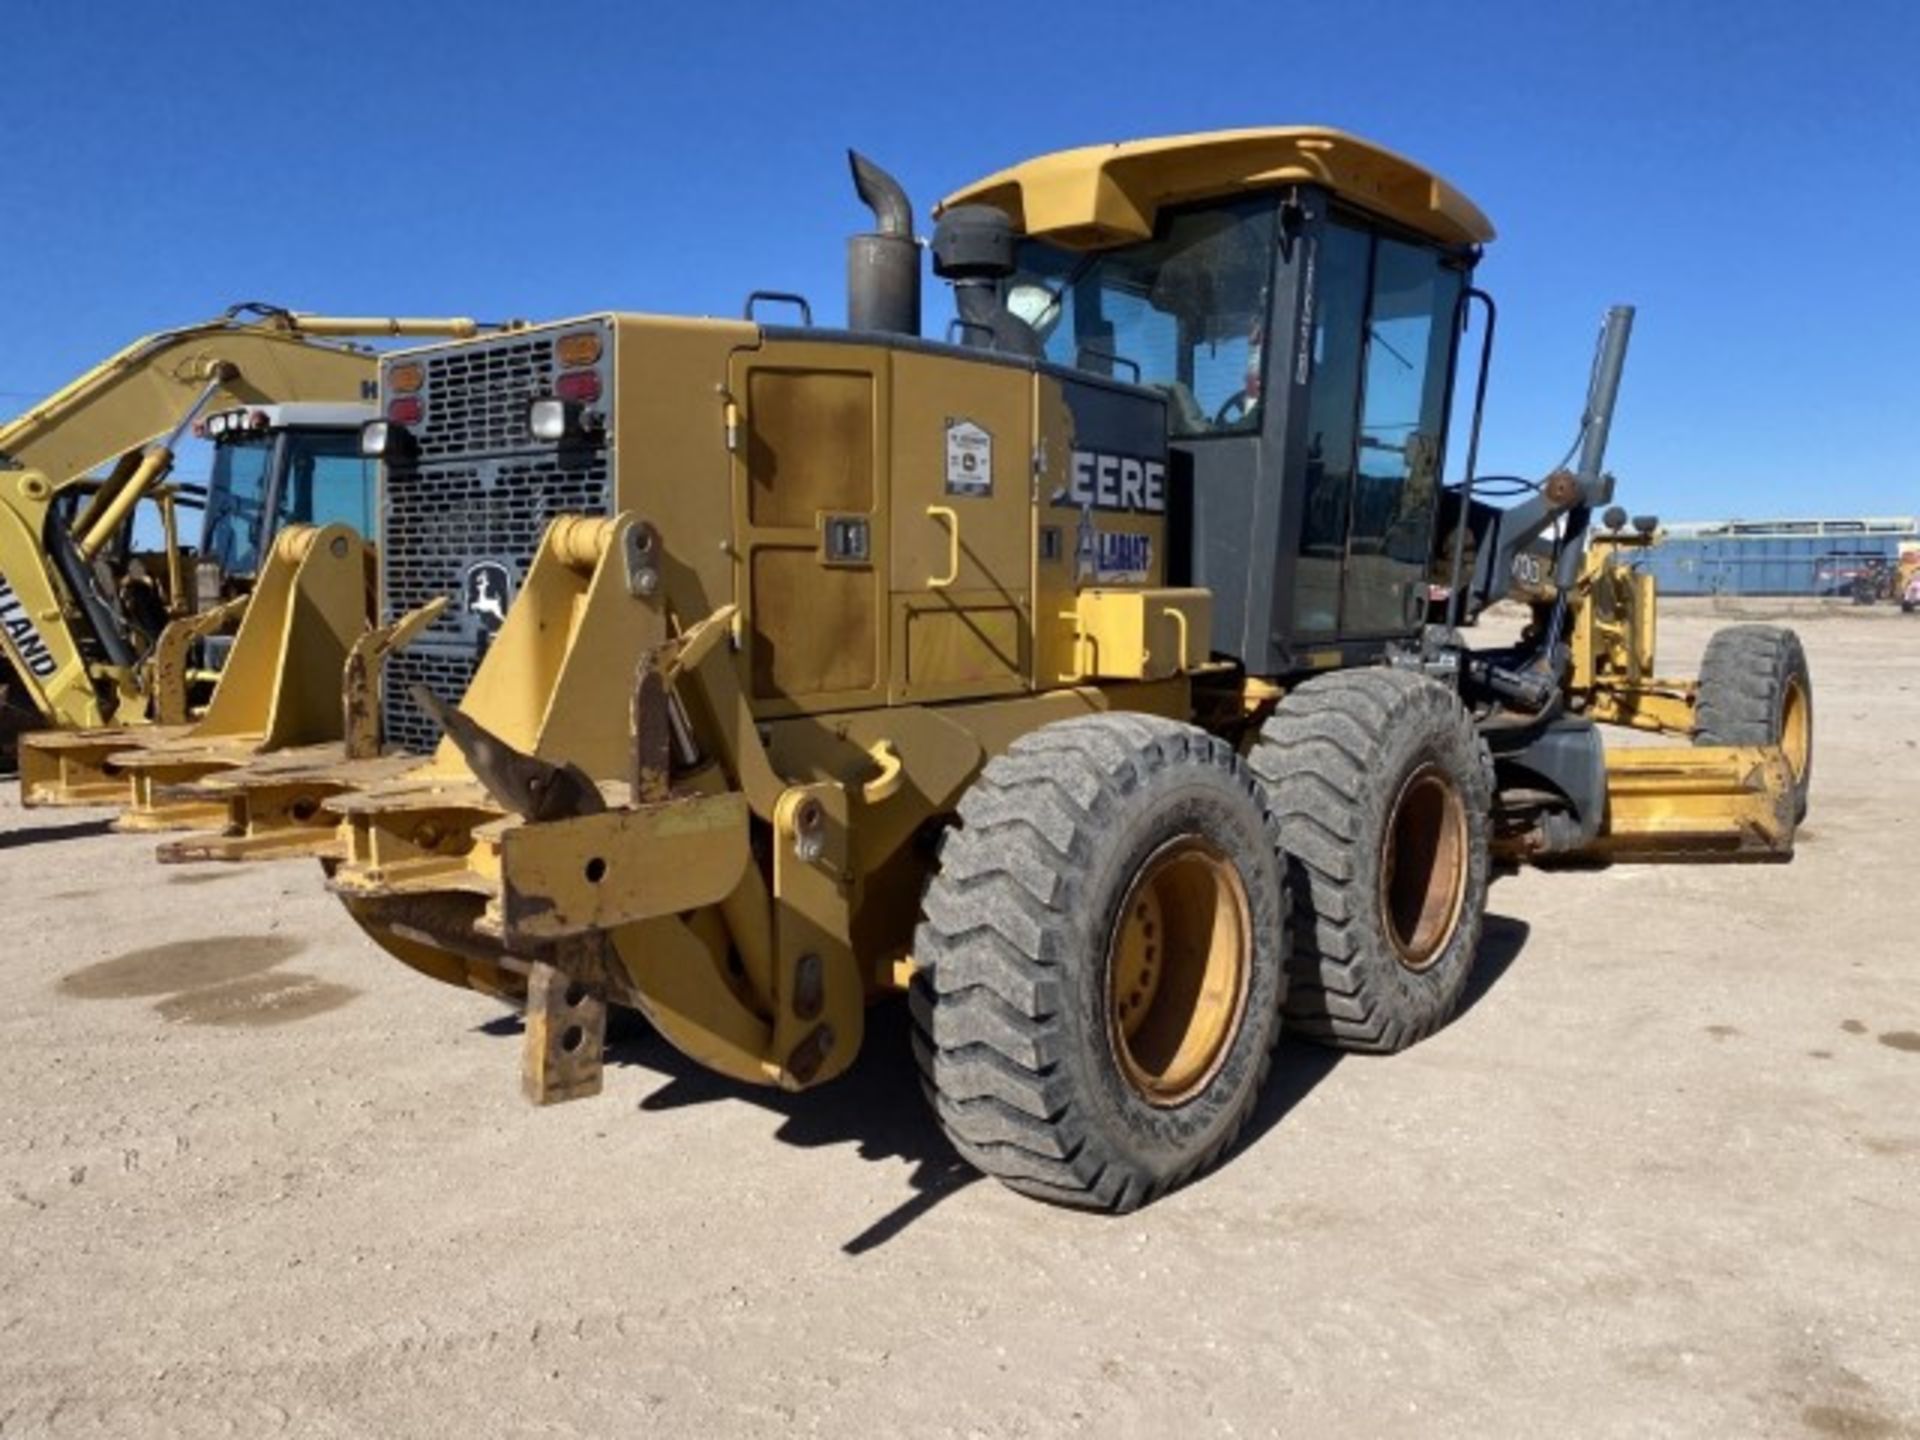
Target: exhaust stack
{"points": [[883, 267]]}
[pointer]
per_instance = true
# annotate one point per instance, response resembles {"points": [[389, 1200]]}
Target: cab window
{"points": [[236, 503], [1183, 312], [328, 481]]}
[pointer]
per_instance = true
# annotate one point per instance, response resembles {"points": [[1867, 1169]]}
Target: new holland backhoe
{"points": [[1097, 673], [93, 634]]}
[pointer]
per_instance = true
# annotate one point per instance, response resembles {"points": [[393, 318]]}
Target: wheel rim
{"points": [[1796, 727], [1179, 965], [1423, 866]]}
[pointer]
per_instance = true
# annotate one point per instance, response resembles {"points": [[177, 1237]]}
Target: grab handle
{"points": [[946, 513]]}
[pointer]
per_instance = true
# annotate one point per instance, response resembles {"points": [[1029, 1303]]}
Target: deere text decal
{"points": [[1115, 482]]}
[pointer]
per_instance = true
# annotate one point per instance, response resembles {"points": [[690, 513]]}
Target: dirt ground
{"points": [[1661, 1177]]}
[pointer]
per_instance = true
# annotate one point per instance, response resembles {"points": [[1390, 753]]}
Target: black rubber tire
{"points": [[1009, 994], [1744, 679], [1334, 757]]}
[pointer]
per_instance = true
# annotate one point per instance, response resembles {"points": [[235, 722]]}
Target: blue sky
{"points": [[1744, 173]]}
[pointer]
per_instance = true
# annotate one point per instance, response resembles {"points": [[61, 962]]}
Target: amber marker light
{"points": [[582, 347]]}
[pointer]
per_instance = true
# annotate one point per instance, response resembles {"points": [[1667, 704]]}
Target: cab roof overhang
{"points": [[1104, 195]]}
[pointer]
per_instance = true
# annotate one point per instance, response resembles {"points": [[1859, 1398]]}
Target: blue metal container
{"points": [[1808, 557]]}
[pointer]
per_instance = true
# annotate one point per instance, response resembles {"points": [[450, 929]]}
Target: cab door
{"points": [[1381, 365], [1408, 348]]}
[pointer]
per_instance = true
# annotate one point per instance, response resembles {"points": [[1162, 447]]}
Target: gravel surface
{"points": [[1661, 1177]]}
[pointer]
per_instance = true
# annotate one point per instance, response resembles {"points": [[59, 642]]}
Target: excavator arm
{"points": [[259, 354]]}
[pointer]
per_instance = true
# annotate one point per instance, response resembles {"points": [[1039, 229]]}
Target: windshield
{"points": [[323, 479], [236, 499], [1183, 312]]}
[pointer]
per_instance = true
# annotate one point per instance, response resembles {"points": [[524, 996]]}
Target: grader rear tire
{"points": [[1382, 792], [1101, 961], [1755, 689]]}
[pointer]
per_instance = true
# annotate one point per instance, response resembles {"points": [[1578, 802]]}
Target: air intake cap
{"points": [[973, 242]]}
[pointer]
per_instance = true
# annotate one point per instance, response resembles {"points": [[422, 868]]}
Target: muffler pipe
{"points": [[883, 266]]}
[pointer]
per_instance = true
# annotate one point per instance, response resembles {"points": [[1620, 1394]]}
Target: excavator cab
{"points": [[1306, 348], [274, 466]]}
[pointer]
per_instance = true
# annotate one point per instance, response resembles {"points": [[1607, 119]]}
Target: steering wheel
{"points": [[1240, 398]]}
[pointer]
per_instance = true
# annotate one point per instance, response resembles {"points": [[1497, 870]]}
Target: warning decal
{"points": [[969, 459]]}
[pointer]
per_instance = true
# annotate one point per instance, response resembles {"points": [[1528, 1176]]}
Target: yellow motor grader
{"points": [[95, 637], [1097, 673]]}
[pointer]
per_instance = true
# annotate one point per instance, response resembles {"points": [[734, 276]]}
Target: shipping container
{"points": [[1775, 557]]}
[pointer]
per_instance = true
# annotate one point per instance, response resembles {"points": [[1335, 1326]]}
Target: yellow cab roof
{"points": [[1102, 195]]}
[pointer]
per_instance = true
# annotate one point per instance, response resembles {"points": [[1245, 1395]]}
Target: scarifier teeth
{"points": [[526, 785]]}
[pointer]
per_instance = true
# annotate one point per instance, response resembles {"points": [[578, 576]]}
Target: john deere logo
{"points": [[489, 590]]}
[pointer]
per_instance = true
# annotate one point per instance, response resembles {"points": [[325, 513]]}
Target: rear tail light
{"points": [[405, 410], [579, 386]]}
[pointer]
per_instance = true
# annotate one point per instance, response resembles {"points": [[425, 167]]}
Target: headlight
{"points": [[374, 437], [547, 418]]}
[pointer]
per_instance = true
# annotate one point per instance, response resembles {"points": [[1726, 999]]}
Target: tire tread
{"points": [[986, 986], [1318, 756]]}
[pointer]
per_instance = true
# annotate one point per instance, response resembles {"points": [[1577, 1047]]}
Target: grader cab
{"points": [[1096, 673]]}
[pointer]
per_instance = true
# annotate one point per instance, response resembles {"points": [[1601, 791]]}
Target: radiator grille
{"points": [[478, 491], [476, 396], [445, 672], [440, 521]]}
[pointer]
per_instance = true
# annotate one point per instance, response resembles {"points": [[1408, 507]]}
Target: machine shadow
{"points": [[877, 1106], [1300, 1065], [1592, 864], [49, 834]]}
